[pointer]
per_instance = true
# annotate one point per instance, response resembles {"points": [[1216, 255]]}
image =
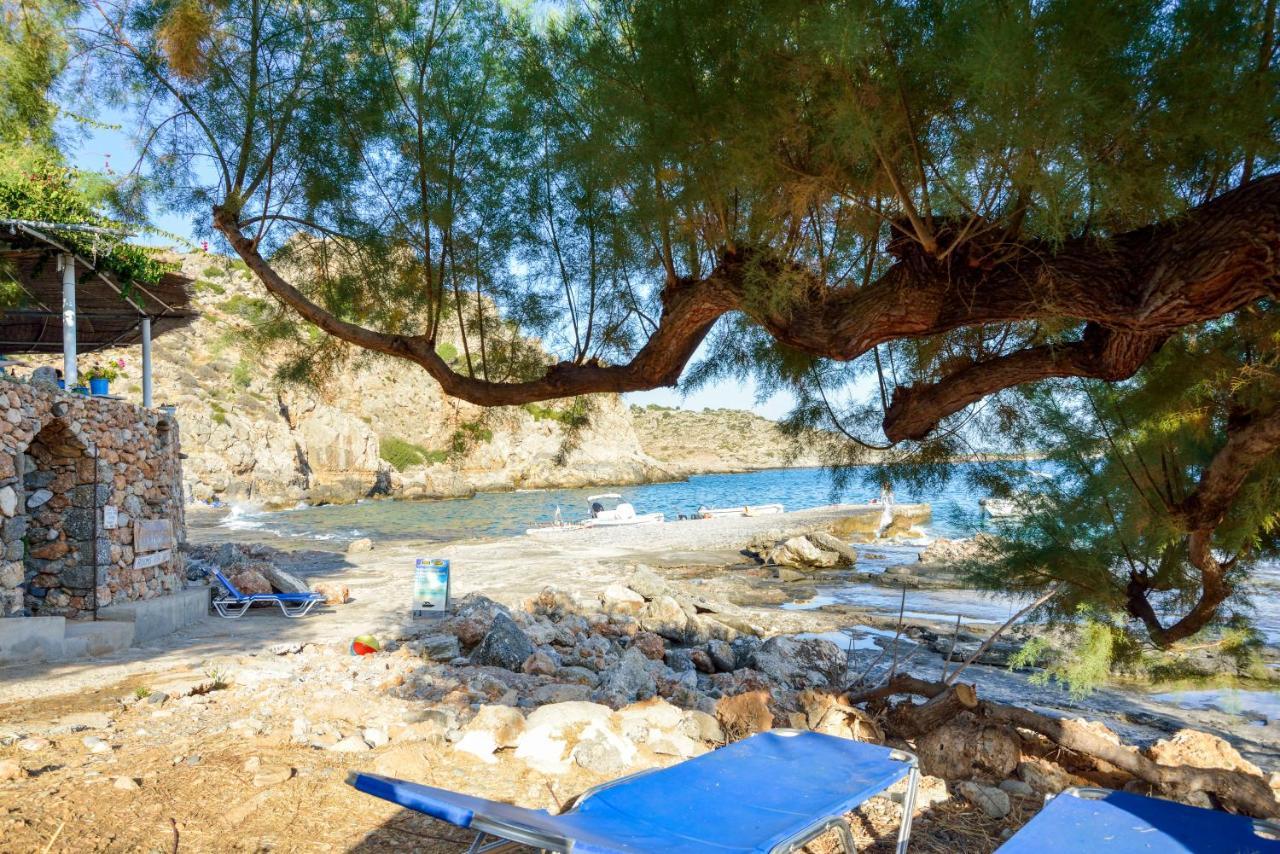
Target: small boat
{"points": [[621, 513], [600, 516], [744, 510], [1010, 508]]}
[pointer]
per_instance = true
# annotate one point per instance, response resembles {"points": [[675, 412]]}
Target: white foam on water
{"points": [[1232, 701]]}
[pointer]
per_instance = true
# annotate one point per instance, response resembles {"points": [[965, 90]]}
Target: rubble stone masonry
{"points": [[76, 474]]}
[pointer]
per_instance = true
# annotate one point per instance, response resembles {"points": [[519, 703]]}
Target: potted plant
{"points": [[101, 375]]}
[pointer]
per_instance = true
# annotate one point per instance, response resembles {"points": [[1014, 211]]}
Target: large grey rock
{"points": [[992, 801], [441, 647], [505, 645], [831, 543], [648, 583], [722, 657], [629, 680], [800, 553], [284, 582], [664, 616], [801, 662]]}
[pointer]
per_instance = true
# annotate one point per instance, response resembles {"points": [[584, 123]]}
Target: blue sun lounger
{"points": [[233, 603], [1102, 821], [772, 792]]}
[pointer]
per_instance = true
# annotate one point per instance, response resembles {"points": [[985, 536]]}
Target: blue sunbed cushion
{"points": [[1121, 823], [746, 797]]}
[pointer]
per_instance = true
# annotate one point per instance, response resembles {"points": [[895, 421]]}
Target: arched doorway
{"points": [[58, 473]]}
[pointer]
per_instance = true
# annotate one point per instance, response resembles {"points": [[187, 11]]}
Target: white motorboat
{"points": [[1011, 508], [604, 511], [744, 510], [621, 513]]}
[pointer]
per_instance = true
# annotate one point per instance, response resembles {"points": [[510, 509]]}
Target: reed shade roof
{"points": [[104, 318]]}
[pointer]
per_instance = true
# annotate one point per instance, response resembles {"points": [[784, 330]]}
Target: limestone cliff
{"points": [[386, 427], [716, 440]]}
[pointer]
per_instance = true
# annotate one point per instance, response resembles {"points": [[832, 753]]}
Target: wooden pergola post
{"points": [[68, 320]]}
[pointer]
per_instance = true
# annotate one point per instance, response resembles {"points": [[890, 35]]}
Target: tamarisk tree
{"points": [[961, 198]]}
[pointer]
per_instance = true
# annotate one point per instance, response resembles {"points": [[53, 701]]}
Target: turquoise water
{"points": [[498, 514]]}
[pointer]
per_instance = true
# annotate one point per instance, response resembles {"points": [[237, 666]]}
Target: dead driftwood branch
{"points": [[1237, 791]]}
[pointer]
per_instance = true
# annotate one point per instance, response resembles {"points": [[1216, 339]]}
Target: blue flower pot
{"points": [[98, 386], [80, 390], [62, 384]]}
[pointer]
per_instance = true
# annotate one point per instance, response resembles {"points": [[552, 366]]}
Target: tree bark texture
{"points": [[1131, 292]]}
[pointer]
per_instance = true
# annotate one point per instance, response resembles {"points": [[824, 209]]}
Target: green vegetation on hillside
{"points": [[404, 455]]}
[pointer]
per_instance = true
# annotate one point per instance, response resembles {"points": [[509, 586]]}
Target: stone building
{"points": [[78, 476], [91, 511]]}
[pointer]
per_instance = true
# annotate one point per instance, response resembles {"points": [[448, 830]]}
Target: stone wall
{"points": [[67, 464]]}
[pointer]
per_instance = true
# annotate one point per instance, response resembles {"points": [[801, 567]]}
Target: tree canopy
{"points": [[1000, 211]]}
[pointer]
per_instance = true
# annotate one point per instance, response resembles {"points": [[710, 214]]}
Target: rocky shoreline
{"points": [[561, 666]]}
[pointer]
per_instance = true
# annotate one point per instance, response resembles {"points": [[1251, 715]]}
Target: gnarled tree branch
{"points": [[1131, 292]]}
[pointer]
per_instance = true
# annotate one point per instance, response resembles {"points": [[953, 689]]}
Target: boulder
{"points": [[650, 645], [664, 616], [473, 617], [801, 553], [441, 647], [702, 726], [640, 721], [801, 662], [648, 583], [505, 645], [364, 544], [540, 664], [545, 743], [629, 680], [722, 657], [831, 714], [621, 600], [702, 661], [992, 801], [333, 592], [493, 728], [249, 580], [830, 543], [1198, 749], [280, 580]]}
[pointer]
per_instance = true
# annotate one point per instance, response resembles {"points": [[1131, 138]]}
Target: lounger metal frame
{"points": [[507, 834], [233, 604]]}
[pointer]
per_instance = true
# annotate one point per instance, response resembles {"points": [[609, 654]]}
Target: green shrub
{"points": [[204, 286], [253, 309], [241, 375], [213, 271], [403, 454], [466, 436], [219, 414], [239, 266], [447, 351]]}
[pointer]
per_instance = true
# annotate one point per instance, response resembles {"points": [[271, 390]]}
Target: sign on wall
{"points": [[430, 587], [152, 535], [110, 517], [152, 559]]}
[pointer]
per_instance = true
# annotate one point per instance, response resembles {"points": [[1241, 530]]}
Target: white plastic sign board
{"points": [[110, 517], [430, 588]]}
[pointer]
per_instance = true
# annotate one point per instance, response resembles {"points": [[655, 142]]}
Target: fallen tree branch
{"points": [[986, 644], [1236, 790]]}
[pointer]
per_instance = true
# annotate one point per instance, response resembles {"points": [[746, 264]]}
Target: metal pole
{"points": [[69, 321], [146, 362]]}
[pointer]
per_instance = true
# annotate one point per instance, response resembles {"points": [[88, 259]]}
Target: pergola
{"points": [[73, 306]]}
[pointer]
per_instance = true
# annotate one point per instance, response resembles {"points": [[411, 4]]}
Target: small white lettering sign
{"points": [[152, 559], [110, 517]]}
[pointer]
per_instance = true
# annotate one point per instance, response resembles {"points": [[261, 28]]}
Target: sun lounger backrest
{"points": [[225, 582], [1109, 822]]}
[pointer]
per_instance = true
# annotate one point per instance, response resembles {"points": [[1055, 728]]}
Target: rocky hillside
{"points": [[387, 428], [715, 440]]}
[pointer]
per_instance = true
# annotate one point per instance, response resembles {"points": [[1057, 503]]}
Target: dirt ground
{"points": [[222, 770]]}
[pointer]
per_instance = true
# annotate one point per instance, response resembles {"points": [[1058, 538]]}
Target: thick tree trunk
{"points": [[1131, 291], [910, 721], [1240, 792]]}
